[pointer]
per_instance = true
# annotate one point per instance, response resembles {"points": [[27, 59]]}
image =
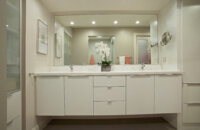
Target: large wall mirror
{"points": [[131, 39]]}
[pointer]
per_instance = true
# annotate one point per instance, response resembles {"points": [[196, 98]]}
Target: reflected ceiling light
{"points": [[93, 22], [137, 22], [72, 23], [7, 25], [115, 22], [155, 23]]}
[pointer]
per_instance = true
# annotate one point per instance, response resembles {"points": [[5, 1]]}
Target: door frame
{"points": [[3, 91], [135, 46]]}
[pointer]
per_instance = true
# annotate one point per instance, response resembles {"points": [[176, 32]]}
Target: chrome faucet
{"points": [[142, 66], [71, 67]]}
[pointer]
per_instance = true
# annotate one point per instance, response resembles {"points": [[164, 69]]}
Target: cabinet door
{"points": [[190, 41], [140, 95], [79, 95], [168, 94], [50, 96]]}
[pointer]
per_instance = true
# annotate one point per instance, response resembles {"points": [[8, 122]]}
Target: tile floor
{"points": [[110, 124]]}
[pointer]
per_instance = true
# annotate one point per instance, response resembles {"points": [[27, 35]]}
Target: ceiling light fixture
{"points": [[115, 22], [72, 23], [93, 22], [137, 22]]}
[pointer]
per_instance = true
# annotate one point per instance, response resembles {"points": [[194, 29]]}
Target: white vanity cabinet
{"points": [[50, 96], [140, 94], [104, 95], [79, 95], [109, 95], [168, 89]]}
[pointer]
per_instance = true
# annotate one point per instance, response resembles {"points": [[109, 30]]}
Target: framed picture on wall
{"points": [[58, 44], [42, 41]]}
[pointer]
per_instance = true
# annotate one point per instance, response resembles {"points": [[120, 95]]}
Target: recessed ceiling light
{"points": [[93, 22], [137, 22], [72, 23], [7, 25], [115, 22]]}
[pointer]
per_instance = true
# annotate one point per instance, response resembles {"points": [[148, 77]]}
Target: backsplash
{"points": [[97, 68]]}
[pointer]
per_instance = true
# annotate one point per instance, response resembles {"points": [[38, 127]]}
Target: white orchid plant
{"points": [[104, 51]]}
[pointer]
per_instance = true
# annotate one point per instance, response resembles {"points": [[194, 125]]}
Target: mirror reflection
{"points": [[130, 39]]}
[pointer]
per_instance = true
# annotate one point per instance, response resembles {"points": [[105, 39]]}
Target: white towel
{"points": [[122, 60]]}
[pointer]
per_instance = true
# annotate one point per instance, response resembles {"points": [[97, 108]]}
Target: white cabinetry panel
{"points": [[191, 40], [109, 81], [109, 93], [79, 95], [109, 108], [140, 95], [168, 91], [50, 96], [191, 93], [191, 113], [191, 106]]}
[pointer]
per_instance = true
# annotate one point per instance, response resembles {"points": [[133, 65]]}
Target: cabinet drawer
{"points": [[191, 93], [168, 91], [109, 108], [191, 113], [109, 93], [109, 81]]}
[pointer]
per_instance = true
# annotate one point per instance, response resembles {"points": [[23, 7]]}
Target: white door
{"points": [[79, 95], [168, 91], [50, 96], [140, 95], [143, 50]]}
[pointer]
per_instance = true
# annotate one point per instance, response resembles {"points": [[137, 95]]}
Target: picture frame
{"points": [[42, 37], [58, 45]]}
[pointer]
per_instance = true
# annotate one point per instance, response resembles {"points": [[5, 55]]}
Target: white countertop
{"points": [[90, 73]]}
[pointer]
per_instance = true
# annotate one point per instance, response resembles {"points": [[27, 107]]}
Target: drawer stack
{"points": [[191, 103], [109, 95]]}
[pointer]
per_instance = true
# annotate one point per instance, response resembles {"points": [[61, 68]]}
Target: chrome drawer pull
{"points": [[109, 102], [109, 87]]}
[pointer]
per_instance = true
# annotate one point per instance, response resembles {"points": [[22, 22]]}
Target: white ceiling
{"points": [[141, 6], [124, 20]]}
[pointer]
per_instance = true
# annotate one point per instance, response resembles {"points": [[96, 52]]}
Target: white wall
{"points": [[167, 21], [34, 61]]}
